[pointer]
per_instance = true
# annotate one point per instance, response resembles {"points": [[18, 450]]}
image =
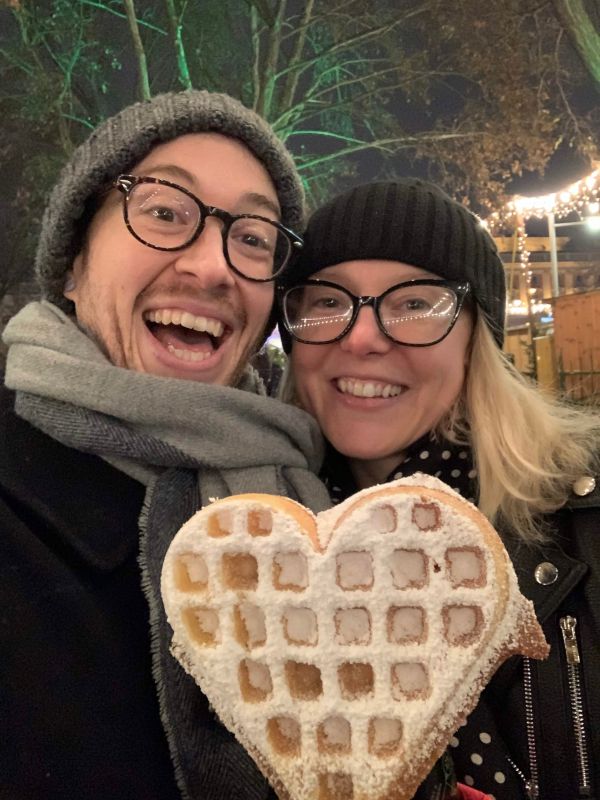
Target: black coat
{"points": [[79, 717], [78, 706], [79, 713], [492, 750]]}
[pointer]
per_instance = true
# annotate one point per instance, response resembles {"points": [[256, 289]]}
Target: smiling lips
{"points": [[186, 336], [359, 388]]}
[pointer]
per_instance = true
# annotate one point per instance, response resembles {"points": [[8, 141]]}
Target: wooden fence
{"points": [[567, 360], [577, 344]]}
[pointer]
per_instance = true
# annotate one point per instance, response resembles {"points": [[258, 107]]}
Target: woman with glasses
{"points": [[393, 317]]}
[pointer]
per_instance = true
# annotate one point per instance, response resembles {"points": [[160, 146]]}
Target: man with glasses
{"points": [[128, 404]]}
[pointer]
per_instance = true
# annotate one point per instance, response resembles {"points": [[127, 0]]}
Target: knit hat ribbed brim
{"points": [[410, 221], [120, 142]]}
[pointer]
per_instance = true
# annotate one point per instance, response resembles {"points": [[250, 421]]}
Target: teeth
{"points": [[367, 388], [187, 355], [173, 316]]}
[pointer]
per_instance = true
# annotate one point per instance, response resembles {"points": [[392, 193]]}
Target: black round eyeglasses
{"points": [[416, 313], [165, 216]]}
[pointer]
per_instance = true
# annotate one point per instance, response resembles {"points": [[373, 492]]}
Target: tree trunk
{"points": [[580, 29], [256, 81], [176, 28], [291, 83], [138, 46], [267, 84]]}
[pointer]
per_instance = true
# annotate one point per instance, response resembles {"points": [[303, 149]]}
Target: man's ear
{"points": [[70, 285]]}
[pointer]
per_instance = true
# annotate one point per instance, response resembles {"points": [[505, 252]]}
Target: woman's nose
{"points": [[205, 258], [366, 337]]}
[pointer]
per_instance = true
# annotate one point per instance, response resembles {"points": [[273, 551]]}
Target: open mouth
{"points": [[358, 388], [186, 336]]}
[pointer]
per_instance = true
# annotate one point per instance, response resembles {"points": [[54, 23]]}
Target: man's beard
{"points": [[114, 350]]}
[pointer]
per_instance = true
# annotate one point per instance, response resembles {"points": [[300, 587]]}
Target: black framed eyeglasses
{"points": [[165, 216], [415, 313]]}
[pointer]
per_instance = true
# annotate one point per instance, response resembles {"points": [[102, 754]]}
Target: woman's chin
{"points": [[367, 448], [378, 463]]}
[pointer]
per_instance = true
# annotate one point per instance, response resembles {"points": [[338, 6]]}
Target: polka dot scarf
{"points": [[452, 464], [478, 756]]}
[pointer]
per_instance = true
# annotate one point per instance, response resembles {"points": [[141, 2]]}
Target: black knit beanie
{"points": [[411, 221]]}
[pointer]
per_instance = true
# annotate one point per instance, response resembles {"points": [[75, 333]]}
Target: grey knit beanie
{"points": [[411, 221], [125, 139]]}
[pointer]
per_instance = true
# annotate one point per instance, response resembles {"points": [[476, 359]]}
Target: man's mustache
{"points": [[218, 295]]}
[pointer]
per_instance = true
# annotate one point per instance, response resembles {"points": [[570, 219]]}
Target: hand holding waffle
{"points": [[344, 650]]}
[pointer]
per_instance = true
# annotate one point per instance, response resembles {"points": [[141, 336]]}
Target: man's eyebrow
{"points": [[173, 171], [252, 198], [257, 199]]}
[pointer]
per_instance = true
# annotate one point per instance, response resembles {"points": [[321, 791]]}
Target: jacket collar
{"points": [[545, 598], [590, 498], [569, 570], [69, 498]]}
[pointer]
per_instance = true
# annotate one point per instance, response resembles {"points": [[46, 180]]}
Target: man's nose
{"points": [[205, 258], [365, 337]]}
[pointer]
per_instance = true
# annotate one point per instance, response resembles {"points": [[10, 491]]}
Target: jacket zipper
{"points": [[531, 784], [568, 627]]}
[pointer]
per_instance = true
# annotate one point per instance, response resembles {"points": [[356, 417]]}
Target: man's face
{"points": [[179, 314]]}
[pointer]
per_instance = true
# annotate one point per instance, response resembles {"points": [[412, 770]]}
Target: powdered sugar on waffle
{"points": [[343, 651]]}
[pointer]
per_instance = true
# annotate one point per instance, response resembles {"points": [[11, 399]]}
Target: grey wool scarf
{"points": [[188, 442]]}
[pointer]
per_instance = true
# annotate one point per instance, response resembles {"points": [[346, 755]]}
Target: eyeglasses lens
{"points": [[257, 248], [161, 215], [317, 313], [167, 218], [416, 315]]}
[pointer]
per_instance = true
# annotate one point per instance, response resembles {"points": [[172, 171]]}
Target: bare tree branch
{"points": [[264, 11], [388, 145], [114, 11], [267, 85], [138, 46], [353, 41], [293, 77], [177, 34], [256, 80]]}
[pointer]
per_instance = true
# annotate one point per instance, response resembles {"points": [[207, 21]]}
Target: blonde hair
{"points": [[528, 447]]}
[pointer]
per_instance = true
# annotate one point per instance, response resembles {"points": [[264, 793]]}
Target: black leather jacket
{"points": [[535, 731]]}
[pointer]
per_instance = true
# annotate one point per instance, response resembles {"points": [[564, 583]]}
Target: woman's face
{"points": [[413, 387]]}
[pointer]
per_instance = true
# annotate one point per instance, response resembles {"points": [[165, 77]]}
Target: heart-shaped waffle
{"points": [[344, 650]]}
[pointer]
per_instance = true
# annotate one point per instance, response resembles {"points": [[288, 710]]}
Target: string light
{"points": [[585, 192], [518, 308], [573, 198]]}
